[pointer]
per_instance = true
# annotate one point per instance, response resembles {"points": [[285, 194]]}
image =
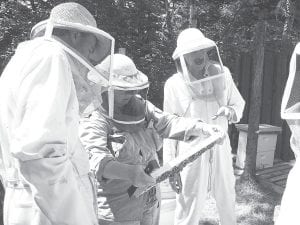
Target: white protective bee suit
{"points": [[122, 141], [213, 171], [46, 167], [290, 111]]}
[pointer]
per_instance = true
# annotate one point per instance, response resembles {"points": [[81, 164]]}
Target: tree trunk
{"points": [[168, 16], [289, 20], [192, 21], [33, 5], [255, 102]]}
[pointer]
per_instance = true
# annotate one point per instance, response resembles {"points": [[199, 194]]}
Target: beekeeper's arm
{"points": [[39, 143], [171, 126], [169, 145], [94, 131], [235, 101]]}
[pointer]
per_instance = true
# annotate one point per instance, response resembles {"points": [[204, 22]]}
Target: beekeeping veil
{"points": [[124, 100], [197, 59], [74, 17], [290, 105]]}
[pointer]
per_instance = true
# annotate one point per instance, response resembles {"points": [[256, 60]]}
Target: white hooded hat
{"points": [[73, 16], [124, 100], [124, 73], [68, 15], [190, 40]]}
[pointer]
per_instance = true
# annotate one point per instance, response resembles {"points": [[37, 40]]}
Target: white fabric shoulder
{"points": [[175, 79]]}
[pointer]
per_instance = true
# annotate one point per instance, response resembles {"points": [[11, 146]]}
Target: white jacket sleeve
{"points": [[40, 140], [169, 146], [234, 99], [93, 132]]}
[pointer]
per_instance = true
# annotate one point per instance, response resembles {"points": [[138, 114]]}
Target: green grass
{"points": [[254, 205]]}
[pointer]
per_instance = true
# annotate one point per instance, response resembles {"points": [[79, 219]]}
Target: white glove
{"points": [[139, 178]]}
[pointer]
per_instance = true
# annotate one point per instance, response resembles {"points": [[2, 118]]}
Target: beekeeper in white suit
{"points": [[46, 168], [202, 88], [290, 111], [122, 137]]}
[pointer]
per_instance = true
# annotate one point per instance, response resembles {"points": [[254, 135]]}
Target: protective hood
{"points": [[198, 61], [124, 100], [190, 40], [73, 16], [290, 105]]}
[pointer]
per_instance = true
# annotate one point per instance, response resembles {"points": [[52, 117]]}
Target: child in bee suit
{"points": [[202, 88], [122, 137], [290, 111], [47, 176]]}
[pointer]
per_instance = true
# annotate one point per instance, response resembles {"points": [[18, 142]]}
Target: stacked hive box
{"points": [[267, 138]]}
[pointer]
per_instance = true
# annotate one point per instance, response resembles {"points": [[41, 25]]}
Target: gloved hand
{"points": [[175, 182], [225, 111], [122, 171], [139, 178]]}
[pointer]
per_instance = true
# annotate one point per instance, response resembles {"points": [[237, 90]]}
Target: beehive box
{"points": [[266, 145]]}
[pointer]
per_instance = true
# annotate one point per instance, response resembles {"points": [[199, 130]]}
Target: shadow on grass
{"points": [[255, 204]]}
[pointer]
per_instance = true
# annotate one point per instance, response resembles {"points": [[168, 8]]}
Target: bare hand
{"points": [[225, 111], [210, 129], [175, 182]]}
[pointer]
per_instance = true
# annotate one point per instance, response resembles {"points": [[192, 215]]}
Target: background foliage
{"points": [[148, 28]]}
